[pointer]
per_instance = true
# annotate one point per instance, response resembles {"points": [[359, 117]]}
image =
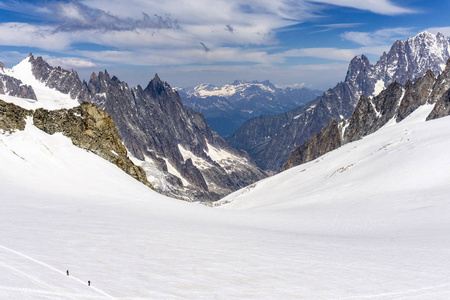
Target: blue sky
{"points": [[188, 42]]}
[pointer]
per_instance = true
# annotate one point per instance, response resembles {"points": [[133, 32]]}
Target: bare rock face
{"points": [[396, 102], [14, 87], [12, 117], [325, 141]]}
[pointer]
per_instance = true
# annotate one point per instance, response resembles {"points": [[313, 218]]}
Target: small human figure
{"points": [[67, 272], [89, 283]]}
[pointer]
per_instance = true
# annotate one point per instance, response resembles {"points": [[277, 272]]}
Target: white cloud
{"points": [[384, 7], [69, 62], [11, 58], [22, 34]]}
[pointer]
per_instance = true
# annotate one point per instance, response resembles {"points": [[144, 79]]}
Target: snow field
{"points": [[367, 221]]}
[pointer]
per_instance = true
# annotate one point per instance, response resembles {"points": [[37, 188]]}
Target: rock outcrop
{"points": [[86, 125], [13, 117]]}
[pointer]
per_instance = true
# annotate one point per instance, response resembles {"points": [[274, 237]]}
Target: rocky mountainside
{"points": [[227, 107], [393, 104], [190, 160], [181, 155], [86, 125], [406, 60]]}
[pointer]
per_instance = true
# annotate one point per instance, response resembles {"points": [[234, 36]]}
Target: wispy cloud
{"points": [[383, 36], [329, 27], [75, 16]]}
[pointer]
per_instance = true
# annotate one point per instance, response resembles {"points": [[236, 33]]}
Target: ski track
{"points": [[51, 268], [40, 282]]}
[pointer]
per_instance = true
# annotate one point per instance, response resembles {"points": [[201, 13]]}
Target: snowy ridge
{"points": [[228, 90], [47, 98]]}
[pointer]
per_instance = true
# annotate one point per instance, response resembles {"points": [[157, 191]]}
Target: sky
{"points": [[188, 42]]}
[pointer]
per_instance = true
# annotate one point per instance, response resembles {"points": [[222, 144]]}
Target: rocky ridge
{"points": [[394, 104], [86, 125], [194, 161], [406, 60]]}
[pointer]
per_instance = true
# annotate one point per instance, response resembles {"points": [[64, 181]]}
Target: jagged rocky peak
{"points": [[358, 65], [360, 76], [157, 88]]}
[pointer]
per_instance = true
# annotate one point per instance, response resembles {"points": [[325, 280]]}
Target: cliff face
{"points": [[394, 103], [86, 125]]}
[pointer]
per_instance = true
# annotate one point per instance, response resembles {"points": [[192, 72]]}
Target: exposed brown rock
{"points": [[13, 117]]}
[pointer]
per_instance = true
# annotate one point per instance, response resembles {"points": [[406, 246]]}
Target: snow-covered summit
{"points": [[48, 98], [228, 90], [406, 60]]}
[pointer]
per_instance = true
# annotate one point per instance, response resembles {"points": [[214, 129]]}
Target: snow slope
{"points": [[367, 221]]}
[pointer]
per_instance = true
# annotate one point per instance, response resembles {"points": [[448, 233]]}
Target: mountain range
{"points": [[181, 155], [269, 140], [227, 107]]}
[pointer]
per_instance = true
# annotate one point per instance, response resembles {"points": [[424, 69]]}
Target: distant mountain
{"points": [[227, 107], [181, 155], [406, 60], [393, 104]]}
